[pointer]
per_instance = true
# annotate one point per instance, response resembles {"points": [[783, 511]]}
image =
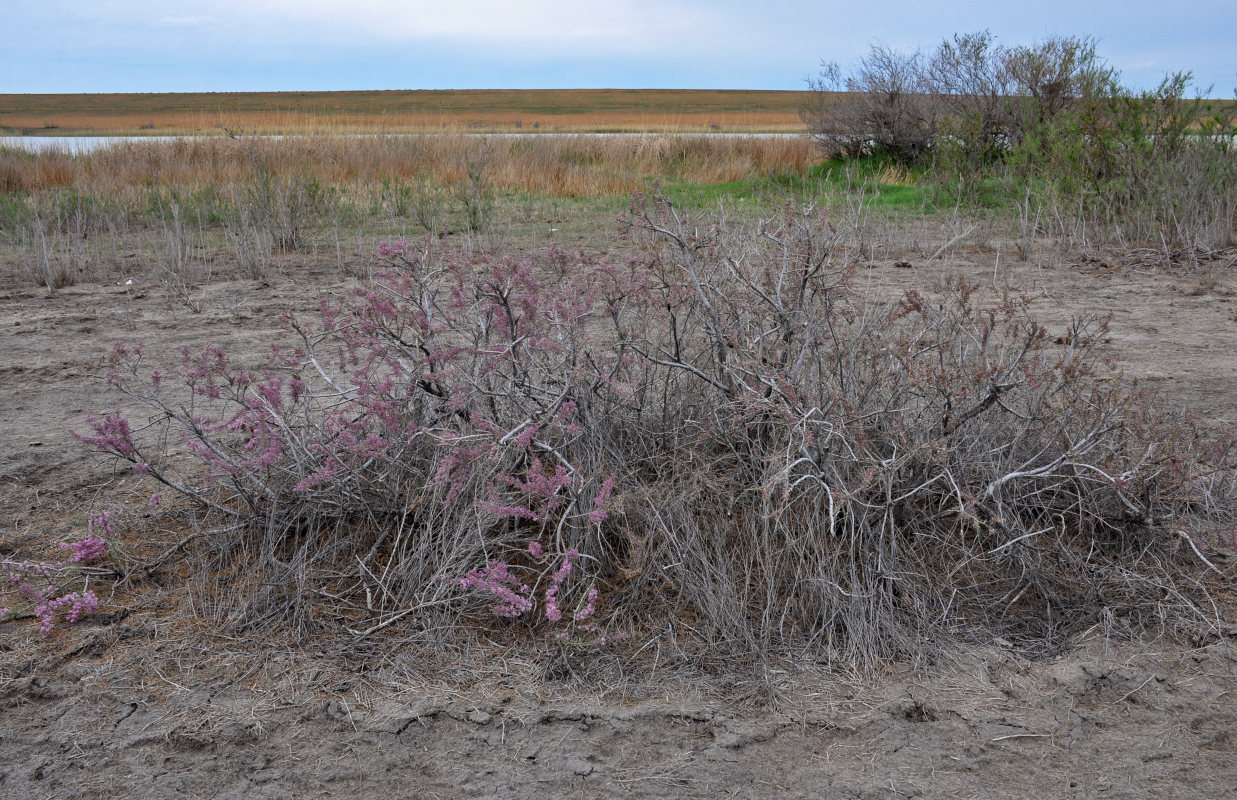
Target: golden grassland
{"points": [[560, 166], [515, 110]]}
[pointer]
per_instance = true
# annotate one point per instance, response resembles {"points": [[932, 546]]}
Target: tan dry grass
{"points": [[563, 166], [896, 175]]}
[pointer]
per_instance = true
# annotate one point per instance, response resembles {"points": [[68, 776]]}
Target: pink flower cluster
{"points": [[496, 579], [552, 612], [111, 434], [599, 513], [388, 250], [540, 489], [92, 548], [85, 551]]}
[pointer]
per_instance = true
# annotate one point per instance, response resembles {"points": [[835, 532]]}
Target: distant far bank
{"points": [[413, 111]]}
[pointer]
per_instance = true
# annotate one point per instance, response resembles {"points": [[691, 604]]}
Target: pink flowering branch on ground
{"points": [[92, 548], [44, 587], [517, 598]]}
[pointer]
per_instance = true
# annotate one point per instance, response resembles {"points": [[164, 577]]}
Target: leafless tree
{"points": [[883, 106]]}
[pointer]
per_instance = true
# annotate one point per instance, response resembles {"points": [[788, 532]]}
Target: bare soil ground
{"points": [[144, 699]]}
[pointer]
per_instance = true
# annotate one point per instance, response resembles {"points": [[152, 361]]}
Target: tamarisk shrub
{"points": [[730, 437]]}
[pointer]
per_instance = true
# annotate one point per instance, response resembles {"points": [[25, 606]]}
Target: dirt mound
{"points": [[1101, 721]]}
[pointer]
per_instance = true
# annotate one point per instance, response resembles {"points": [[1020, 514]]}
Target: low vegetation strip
{"points": [[68, 216], [559, 165], [524, 110]]}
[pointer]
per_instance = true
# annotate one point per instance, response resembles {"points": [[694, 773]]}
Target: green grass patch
{"points": [[883, 184]]}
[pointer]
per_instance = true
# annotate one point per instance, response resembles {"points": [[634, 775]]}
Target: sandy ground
{"points": [[138, 701]]}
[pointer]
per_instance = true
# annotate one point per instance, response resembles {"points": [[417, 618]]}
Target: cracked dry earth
{"points": [[143, 699]]}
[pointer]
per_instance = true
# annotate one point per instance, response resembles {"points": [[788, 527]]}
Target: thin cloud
{"points": [[183, 22], [634, 26]]}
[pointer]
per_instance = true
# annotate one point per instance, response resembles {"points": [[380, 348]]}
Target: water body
{"points": [[76, 144], [86, 144]]}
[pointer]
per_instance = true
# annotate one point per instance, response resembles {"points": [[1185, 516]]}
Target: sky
{"points": [[256, 45]]}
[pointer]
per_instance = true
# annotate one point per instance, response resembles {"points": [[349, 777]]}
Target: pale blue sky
{"points": [[236, 45]]}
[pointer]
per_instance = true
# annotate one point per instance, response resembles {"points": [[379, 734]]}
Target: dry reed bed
{"points": [[564, 166]]}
